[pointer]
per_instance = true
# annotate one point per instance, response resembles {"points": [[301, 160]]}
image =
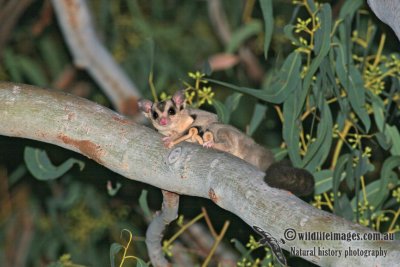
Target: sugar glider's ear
{"points": [[179, 99], [145, 106]]}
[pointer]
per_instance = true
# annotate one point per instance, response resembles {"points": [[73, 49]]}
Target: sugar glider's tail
{"points": [[283, 175]]}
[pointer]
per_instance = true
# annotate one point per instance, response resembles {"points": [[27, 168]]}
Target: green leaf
{"points": [[337, 178], [373, 191], [32, 71], [378, 107], [357, 96], [245, 253], [267, 11], [352, 82], [40, 166], [114, 249], [279, 153], [144, 205], [323, 181], [387, 181], [318, 151], [291, 127], [258, 116], [242, 34], [288, 31], [288, 80], [11, 64], [384, 141], [51, 55], [232, 102], [17, 174], [393, 134], [344, 208], [322, 43], [224, 111], [140, 263], [349, 8]]}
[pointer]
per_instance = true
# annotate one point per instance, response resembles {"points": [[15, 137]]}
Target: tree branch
{"points": [[154, 233], [88, 52], [137, 153], [387, 11]]}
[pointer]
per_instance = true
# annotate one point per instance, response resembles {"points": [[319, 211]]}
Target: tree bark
{"points": [[137, 153], [388, 12], [89, 53]]}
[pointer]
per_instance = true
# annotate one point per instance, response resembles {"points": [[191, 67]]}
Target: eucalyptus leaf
{"points": [[10, 62], [349, 8], [245, 253], [225, 110], [144, 205], [40, 166], [344, 208], [288, 31], [114, 249], [379, 116], [373, 192], [318, 151], [258, 116], [232, 102], [288, 80], [267, 11], [222, 111], [393, 134], [384, 141], [52, 56], [242, 34], [352, 82], [291, 127], [32, 70], [337, 178], [17, 174], [141, 263], [323, 181], [387, 181], [322, 44]]}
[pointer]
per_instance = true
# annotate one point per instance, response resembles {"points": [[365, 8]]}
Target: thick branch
{"points": [[89, 53], [387, 11], [137, 153]]}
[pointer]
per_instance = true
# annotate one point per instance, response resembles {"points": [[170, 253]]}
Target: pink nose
{"points": [[163, 121]]}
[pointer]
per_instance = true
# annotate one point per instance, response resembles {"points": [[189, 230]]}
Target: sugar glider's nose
{"points": [[163, 121]]}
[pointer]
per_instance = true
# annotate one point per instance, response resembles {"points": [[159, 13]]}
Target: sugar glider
{"points": [[179, 123]]}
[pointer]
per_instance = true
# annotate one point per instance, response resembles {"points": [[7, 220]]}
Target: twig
{"points": [[217, 241], [209, 224]]}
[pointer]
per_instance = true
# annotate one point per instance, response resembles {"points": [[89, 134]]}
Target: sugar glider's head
{"points": [[164, 114]]}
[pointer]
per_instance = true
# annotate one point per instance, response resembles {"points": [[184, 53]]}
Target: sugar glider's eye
{"points": [[171, 111], [155, 115]]}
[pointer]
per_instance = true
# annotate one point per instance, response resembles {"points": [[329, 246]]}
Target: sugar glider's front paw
{"points": [[168, 141]]}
